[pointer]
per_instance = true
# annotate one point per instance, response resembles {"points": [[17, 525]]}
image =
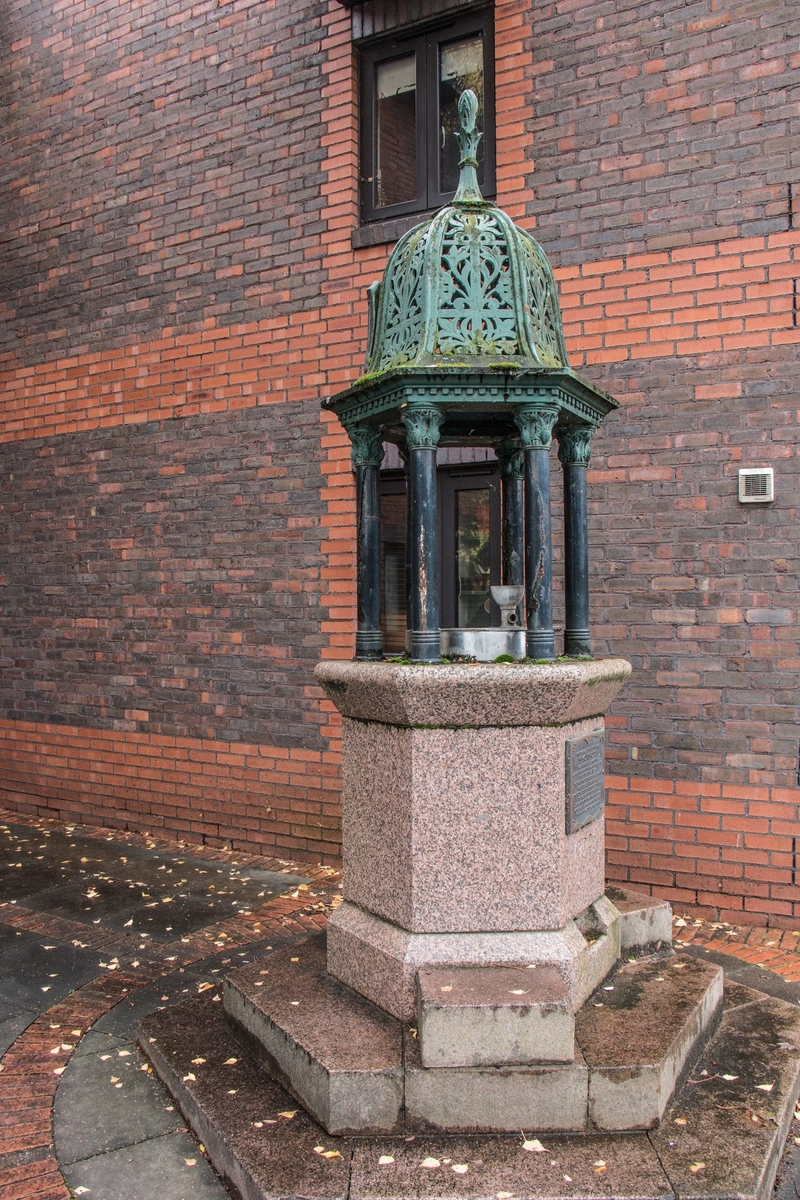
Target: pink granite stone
{"points": [[463, 830], [473, 695]]}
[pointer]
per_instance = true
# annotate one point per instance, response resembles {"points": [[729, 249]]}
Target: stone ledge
{"points": [[480, 695]]}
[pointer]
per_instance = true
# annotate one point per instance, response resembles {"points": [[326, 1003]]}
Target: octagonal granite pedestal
{"points": [[477, 981]]}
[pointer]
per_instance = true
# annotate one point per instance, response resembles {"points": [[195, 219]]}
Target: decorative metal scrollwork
{"points": [[535, 425], [400, 331], [422, 427], [476, 301], [575, 445], [367, 446]]}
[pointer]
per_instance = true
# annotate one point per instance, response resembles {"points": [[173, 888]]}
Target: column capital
{"points": [[535, 423], [512, 460], [366, 448], [422, 424], [575, 445]]}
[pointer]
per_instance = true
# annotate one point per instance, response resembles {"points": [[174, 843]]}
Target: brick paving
{"points": [[32, 1066]]}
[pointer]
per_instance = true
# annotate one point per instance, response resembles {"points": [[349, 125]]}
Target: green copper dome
{"points": [[467, 286]]}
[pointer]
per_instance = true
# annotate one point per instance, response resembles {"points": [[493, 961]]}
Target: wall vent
{"points": [[756, 485]]}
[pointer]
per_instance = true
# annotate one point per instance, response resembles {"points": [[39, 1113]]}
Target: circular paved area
{"points": [[99, 928]]}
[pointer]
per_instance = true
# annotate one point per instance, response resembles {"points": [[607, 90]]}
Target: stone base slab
{"points": [[268, 1157], [381, 961], [646, 920], [493, 1016]]}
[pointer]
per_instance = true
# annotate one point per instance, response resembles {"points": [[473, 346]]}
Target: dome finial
{"points": [[468, 138]]}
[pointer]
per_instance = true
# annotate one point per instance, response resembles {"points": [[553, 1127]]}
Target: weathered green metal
{"points": [[467, 309]]}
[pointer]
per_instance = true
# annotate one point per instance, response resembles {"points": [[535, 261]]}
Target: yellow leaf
{"points": [[430, 1163], [460, 1168], [229, 1062], [765, 1087], [385, 1159], [698, 1166], [331, 1154], [680, 1120], [534, 1145], [288, 1115], [204, 987], [197, 1061]]}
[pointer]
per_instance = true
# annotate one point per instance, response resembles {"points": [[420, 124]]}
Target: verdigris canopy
{"points": [[467, 315]]}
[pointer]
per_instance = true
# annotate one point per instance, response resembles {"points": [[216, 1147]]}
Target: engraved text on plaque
{"points": [[585, 785]]}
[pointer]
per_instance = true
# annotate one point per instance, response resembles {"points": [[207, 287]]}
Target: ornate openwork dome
{"points": [[466, 285]]}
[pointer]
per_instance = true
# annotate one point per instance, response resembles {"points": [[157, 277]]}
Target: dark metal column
{"points": [[422, 437], [574, 451], [512, 472], [367, 455], [535, 424], [405, 454]]}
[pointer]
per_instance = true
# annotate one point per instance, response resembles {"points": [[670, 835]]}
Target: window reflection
{"points": [[393, 567], [473, 560], [460, 67], [396, 86]]}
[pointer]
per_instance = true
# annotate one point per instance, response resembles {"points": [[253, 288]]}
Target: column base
{"points": [[381, 961]]}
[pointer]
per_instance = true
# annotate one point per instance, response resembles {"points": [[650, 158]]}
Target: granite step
{"points": [[340, 1055], [494, 1016], [708, 1147], [637, 1032]]}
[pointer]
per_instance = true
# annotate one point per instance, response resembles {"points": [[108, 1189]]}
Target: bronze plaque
{"points": [[586, 792]]}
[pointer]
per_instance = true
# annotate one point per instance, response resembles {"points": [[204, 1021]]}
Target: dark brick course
{"points": [[166, 577], [662, 123], [161, 165]]}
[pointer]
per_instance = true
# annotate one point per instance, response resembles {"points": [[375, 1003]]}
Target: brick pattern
{"points": [[650, 146], [260, 798], [166, 578], [162, 169], [33, 1065], [727, 851], [661, 124]]}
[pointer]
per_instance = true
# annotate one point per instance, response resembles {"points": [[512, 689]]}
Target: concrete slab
{"points": [[646, 920], [12, 1026], [105, 1101], [493, 1016], [34, 977], [732, 1114], [340, 1055], [637, 1032], [170, 1166], [493, 1099]]}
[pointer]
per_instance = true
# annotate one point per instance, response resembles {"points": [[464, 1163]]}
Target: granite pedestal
{"points": [[456, 814]]}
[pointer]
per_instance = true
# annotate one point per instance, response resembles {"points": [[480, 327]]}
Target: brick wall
{"points": [[182, 287]]}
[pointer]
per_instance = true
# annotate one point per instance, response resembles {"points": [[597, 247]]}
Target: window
{"points": [[409, 98], [469, 551]]}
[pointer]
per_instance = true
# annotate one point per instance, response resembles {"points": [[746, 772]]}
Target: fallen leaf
{"points": [[59, 1070], [460, 1168], [384, 1160], [82, 1191], [730, 1078], [123, 1053], [504, 1195], [203, 987], [601, 1162], [232, 1091], [430, 1163], [449, 988], [189, 1076], [568, 1178], [229, 1062], [127, 923], [190, 1162], [518, 992], [533, 1144], [331, 1154], [197, 1061], [680, 1120], [765, 1087], [698, 1166], [288, 1115]]}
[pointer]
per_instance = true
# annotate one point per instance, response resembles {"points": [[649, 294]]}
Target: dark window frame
{"points": [[452, 479], [425, 42]]}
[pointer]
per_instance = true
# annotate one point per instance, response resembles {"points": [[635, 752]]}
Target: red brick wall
{"points": [[181, 189]]}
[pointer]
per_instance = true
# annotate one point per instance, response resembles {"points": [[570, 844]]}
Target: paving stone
{"points": [[491, 1016], [494, 1099], [98, 1043], [26, 970], [566, 1168], [104, 1103], [12, 1026], [733, 1126], [157, 1169], [10, 937], [735, 994], [338, 1053], [234, 1108], [636, 1033]]}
